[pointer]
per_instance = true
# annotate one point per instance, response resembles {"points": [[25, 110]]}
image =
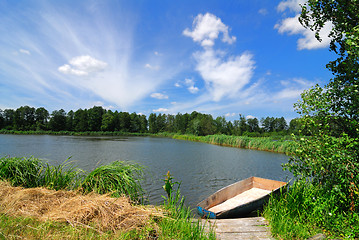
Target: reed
{"points": [[118, 178], [24, 172], [256, 143], [63, 176]]}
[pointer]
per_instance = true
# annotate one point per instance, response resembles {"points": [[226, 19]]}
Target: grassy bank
{"points": [[102, 204], [260, 143], [304, 211]]}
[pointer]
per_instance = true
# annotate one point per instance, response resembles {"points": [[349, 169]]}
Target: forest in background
{"points": [[95, 119]]}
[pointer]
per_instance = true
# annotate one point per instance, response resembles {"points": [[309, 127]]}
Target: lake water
{"points": [[201, 168]]}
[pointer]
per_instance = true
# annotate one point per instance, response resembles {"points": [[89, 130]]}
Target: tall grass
{"points": [[304, 211], [63, 176], [118, 178], [179, 223], [256, 143], [24, 172]]}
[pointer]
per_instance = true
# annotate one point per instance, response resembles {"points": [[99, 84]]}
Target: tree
{"points": [[41, 118], [152, 123], [9, 115], [58, 120], [2, 119], [24, 118], [70, 120], [253, 124], [330, 158], [268, 124], [95, 118], [108, 123], [342, 92], [81, 120]]}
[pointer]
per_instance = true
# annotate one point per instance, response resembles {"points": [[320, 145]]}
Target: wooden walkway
{"points": [[240, 228]]}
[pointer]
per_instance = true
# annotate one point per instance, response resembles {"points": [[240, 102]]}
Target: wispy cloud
{"points": [[159, 96], [24, 51], [78, 57], [161, 110], [292, 26]]}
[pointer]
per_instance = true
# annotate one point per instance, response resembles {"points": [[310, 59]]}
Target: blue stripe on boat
{"points": [[205, 213]]}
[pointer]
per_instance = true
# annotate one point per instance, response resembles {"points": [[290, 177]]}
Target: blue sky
{"points": [[219, 57]]}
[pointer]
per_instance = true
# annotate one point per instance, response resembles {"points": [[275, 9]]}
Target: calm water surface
{"points": [[202, 168]]}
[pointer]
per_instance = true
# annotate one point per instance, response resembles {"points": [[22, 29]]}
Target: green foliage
{"points": [[24, 172], [325, 194], [179, 224], [63, 176], [118, 178], [305, 210], [272, 144]]}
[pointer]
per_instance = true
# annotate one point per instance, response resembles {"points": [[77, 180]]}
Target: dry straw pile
{"points": [[103, 212]]}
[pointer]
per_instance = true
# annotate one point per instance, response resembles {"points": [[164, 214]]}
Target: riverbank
{"points": [[256, 143], [282, 144], [38, 201]]}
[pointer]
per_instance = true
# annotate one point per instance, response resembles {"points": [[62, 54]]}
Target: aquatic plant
{"points": [[62, 176], [23, 171], [256, 143], [118, 178]]}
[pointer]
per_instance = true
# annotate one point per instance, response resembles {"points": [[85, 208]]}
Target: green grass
{"points": [[257, 143], [24, 172], [303, 211], [29, 228], [118, 178], [63, 176]]}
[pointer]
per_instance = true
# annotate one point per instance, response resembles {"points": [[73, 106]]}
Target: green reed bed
{"points": [[257, 143]]}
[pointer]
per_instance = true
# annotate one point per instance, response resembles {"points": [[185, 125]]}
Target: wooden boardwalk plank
{"points": [[239, 228]]}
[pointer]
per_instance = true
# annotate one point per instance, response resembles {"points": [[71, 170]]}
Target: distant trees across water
{"points": [[96, 119]]}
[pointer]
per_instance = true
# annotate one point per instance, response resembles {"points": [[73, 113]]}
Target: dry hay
{"points": [[106, 212]]}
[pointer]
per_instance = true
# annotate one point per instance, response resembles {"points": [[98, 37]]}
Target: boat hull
{"points": [[238, 190]]}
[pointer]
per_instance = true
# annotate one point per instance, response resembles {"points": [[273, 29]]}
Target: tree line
{"points": [[27, 118]]}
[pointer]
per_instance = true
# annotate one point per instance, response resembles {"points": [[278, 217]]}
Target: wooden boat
{"points": [[239, 199]]}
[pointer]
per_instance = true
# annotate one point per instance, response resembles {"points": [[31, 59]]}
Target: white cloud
{"points": [[82, 66], [206, 29], [149, 66], [230, 114], [177, 84], [292, 88], [292, 5], [24, 51], [193, 89], [159, 96], [292, 26], [160, 110], [250, 117], [263, 11], [190, 85], [67, 69], [224, 77]]}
